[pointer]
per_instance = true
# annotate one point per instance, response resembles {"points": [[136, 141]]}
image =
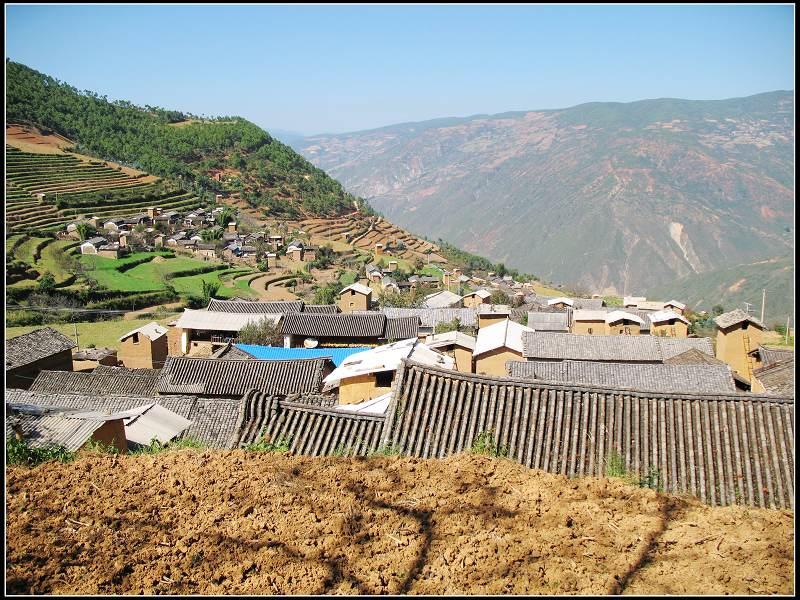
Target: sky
{"points": [[332, 69]]}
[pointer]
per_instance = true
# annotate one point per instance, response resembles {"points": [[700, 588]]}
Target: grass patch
{"points": [[282, 444], [386, 450], [155, 447], [18, 452], [24, 252], [348, 278], [485, 444], [615, 467], [193, 285], [103, 334]]}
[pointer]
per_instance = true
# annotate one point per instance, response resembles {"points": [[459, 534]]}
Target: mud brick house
{"points": [[668, 323], [350, 329], [91, 245], [459, 346], [473, 299], [144, 348], [232, 379], [675, 306], [106, 380], [659, 377], [489, 314], [599, 322], [90, 358], [29, 354], [369, 374], [355, 297], [442, 299], [738, 336], [541, 345], [496, 344]]}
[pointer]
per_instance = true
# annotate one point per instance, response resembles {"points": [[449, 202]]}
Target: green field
{"points": [[193, 284], [103, 334]]}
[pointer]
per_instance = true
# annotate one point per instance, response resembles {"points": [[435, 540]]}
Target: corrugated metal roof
{"points": [[52, 429], [358, 288], [693, 378], [233, 378], [30, 347], [152, 330], [442, 299], [450, 338], [666, 315], [337, 355]]}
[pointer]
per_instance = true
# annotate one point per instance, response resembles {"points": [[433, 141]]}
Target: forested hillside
{"points": [[176, 145]]}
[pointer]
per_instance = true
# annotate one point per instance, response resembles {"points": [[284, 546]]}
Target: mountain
{"points": [[608, 197], [179, 146]]}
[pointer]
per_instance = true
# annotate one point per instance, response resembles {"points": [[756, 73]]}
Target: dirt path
{"points": [[137, 314], [275, 291], [233, 522]]}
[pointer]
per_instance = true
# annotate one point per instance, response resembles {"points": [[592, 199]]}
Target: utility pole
{"points": [[763, 302], [74, 324], [786, 341]]}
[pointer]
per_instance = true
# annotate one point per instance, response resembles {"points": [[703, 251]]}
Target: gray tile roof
{"points": [[36, 345], [588, 303], [723, 448], [548, 321], [231, 352], [431, 317], [120, 383], [696, 378], [330, 309], [622, 348], [778, 377], [734, 317], [402, 328], [125, 371], [233, 378], [251, 307], [354, 325], [771, 356]]}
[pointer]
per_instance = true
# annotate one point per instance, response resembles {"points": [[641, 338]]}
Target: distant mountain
{"points": [[609, 197]]}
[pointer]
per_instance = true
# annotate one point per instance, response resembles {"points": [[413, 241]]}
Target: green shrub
{"points": [[485, 444], [98, 446], [615, 466], [282, 444], [386, 450], [18, 452]]}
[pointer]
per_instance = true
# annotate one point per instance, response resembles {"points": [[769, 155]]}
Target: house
{"points": [[632, 301], [275, 241], [600, 322], [113, 224], [109, 250], [431, 317], [658, 377], [171, 217], [309, 253], [369, 374], [668, 323], [459, 346], [775, 378], [91, 245], [675, 306], [548, 321], [496, 344], [211, 377], [374, 273], [738, 334], [429, 281], [158, 241], [348, 329], [378, 249], [693, 356], [30, 353], [442, 299], [473, 299], [206, 251], [388, 283], [560, 302], [541, 345], [355, 297], [144, 347], [89, 358], [489, 314], [391, 266]]}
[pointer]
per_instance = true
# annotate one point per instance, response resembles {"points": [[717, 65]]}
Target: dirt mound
{"points": [[159, 259], [191, 522]]}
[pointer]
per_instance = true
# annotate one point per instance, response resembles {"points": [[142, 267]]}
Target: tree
{"points": [[210, 288], [85, 231], [454, 325], [717, 310], [224, 216], [499, 297], [262, 333], [327, 294], [46, 284]]}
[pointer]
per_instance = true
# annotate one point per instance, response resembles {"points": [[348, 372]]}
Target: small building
{"points": [[355, 297], [369, 374], [29, 354], [144, 348], [374, 273], [459, 346], [650, 305], [674, 305], [489, 314], [548, 321], [205, 251], [90, 358], [275, 241], [158, 241], [91, 245], [619, 322], [442, 299], [391, 266], [600, 322], [632, 301], [738, 335], [110, 250], [113, 224], [668, 323], [473, 299], [561, 302], [378, 249], [496, 345]]}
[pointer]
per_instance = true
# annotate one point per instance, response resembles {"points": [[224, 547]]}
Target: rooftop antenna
{"points": [[748, 308]]}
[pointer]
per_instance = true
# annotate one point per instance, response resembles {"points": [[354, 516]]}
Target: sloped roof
{"points": [[431, 317], [337, 355], [548, 321], [152, 330], [735, 317], [442, 299], [483, 294], [329, 309], [450, 338], [221, 321], [358, 288], [588, 303], [103, 382], [36, 345], [505, 334], [249, 307], [561, 300], [231, 352], [622, 348], [691, 378], [771, 356], [493, 309], [666, 315], [52, 426], [386, 358], [778, 377], [402, 328], [353, 325], [621, 315], [232, 378], [676, 304]]}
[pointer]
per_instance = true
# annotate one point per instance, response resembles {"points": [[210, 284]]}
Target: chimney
{"points": [[232, 227], [152, 212], [378, 249]]}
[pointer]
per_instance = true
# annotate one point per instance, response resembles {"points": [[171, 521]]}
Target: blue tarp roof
{"points": [[275, 353]]}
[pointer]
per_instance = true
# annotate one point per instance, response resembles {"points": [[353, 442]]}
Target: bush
{"points": [[261, 333], [282, 444], [386, 450], [485, 444], [18, 452]]}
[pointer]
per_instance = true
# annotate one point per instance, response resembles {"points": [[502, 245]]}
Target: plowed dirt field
{"points": [[231, 522]]}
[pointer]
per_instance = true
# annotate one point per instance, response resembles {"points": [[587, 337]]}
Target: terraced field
{"points": [[46, 191]]}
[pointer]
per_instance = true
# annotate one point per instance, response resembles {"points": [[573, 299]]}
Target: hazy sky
{"points": [[316, 69]]}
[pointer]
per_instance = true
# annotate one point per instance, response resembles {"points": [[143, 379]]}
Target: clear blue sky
{"points": [[316, 69]]}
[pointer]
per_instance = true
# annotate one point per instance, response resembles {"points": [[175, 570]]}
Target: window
{"points": [[591, 331], [135, 338], [384, 378]]}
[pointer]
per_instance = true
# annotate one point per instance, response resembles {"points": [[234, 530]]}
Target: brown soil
{"points": [[193, 522]]}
